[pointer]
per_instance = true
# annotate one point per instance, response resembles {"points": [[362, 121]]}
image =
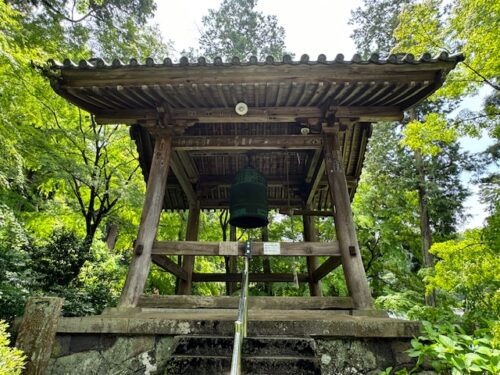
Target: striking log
{"points": [[311, 235], [352, 263], [185, 286], [153, 203]]}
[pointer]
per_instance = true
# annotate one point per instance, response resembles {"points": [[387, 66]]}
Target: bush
{"points": [[12, 360], [448, 349]]}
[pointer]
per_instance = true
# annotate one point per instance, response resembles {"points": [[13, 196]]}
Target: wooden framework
{"points": [[306, 130]]}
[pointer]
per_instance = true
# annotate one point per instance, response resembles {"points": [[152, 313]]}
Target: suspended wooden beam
{"points": [[230, 248], [260, 114]]}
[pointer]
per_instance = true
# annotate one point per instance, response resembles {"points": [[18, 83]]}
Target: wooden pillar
{"points": [[311, 235], [266, 262], [352, 263], [153, 205], [193, 224], [231, 286], [37, 332]]}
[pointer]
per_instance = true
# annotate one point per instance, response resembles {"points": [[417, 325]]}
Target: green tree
{"points": [[237, 29]]}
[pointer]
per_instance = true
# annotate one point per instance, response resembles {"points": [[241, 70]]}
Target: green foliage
{"points": [[12, 360], [237, 29], [15, 276], [430, 135], [448, 349], [468, 268], [59, 261]]}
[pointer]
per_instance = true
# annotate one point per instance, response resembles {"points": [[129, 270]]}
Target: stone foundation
{"points": [[118, 354]]}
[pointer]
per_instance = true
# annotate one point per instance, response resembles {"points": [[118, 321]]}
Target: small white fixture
{"points": [[304, 131], [241, 108]]}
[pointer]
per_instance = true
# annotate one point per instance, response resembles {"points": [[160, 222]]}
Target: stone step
{"points": [[253, 365], [252, 346]]}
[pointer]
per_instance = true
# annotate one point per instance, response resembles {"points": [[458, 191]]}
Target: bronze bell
{"points": [[248, 207]]}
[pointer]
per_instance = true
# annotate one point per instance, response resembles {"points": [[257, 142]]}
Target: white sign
{"points": [[272, 248]]}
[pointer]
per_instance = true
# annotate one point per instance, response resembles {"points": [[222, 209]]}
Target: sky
{"points": [[312, 27]]}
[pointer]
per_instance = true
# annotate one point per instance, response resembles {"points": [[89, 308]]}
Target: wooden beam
{"points": [[292, 212], [186, 185], [266, 262], [229, 248], [250, 142], [310, 235], [153, 204], [254, 302], [193, 224], [252, 277], [170, 266], [318, 176], [326, 267], [261, 114], [352, 263]]}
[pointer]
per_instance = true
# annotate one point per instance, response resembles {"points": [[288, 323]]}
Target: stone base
{"points": [[144, 341]]}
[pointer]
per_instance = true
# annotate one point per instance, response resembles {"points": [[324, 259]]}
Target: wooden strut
{"points": [[193, 224], [352, 263], [153, 204], [311, 235]]}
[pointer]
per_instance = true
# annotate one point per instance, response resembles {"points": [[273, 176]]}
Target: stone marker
{"points": [[37, 332]]}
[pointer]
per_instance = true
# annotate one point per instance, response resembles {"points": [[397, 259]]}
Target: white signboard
{"points": [[272, 248]]}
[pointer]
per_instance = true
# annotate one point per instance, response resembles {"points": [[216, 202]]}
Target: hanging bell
{"points": [[248, 207]]}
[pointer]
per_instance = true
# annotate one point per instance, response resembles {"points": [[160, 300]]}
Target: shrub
{"points": [[12, 360]]}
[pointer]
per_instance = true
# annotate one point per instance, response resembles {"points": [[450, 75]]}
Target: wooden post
{"points": [[352, 263], [231, 286], [311, 235], [193, 224], [38, 331], [266, 262], [153, 205]]}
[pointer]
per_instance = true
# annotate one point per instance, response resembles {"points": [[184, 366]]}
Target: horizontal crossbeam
{"points": [[236, 248], [253, 277]]}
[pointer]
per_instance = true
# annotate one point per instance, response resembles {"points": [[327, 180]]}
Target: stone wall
{"points": [[140, 354]]}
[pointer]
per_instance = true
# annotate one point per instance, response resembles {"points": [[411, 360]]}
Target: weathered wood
{"points": [[261, 114], [37, 332], [266, 262], [153, 203], [193, 224], [315, 181], [253, 277], [213, 248], [311, 235], [231, 286], [305, 212], [326, 267], [170, 266], [251, 74], [352, 263], [180, 173], [251, 142], [255, 303]]}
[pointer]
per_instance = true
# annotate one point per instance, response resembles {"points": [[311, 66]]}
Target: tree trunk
{"points": [[111, 235], [425, 226]]}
